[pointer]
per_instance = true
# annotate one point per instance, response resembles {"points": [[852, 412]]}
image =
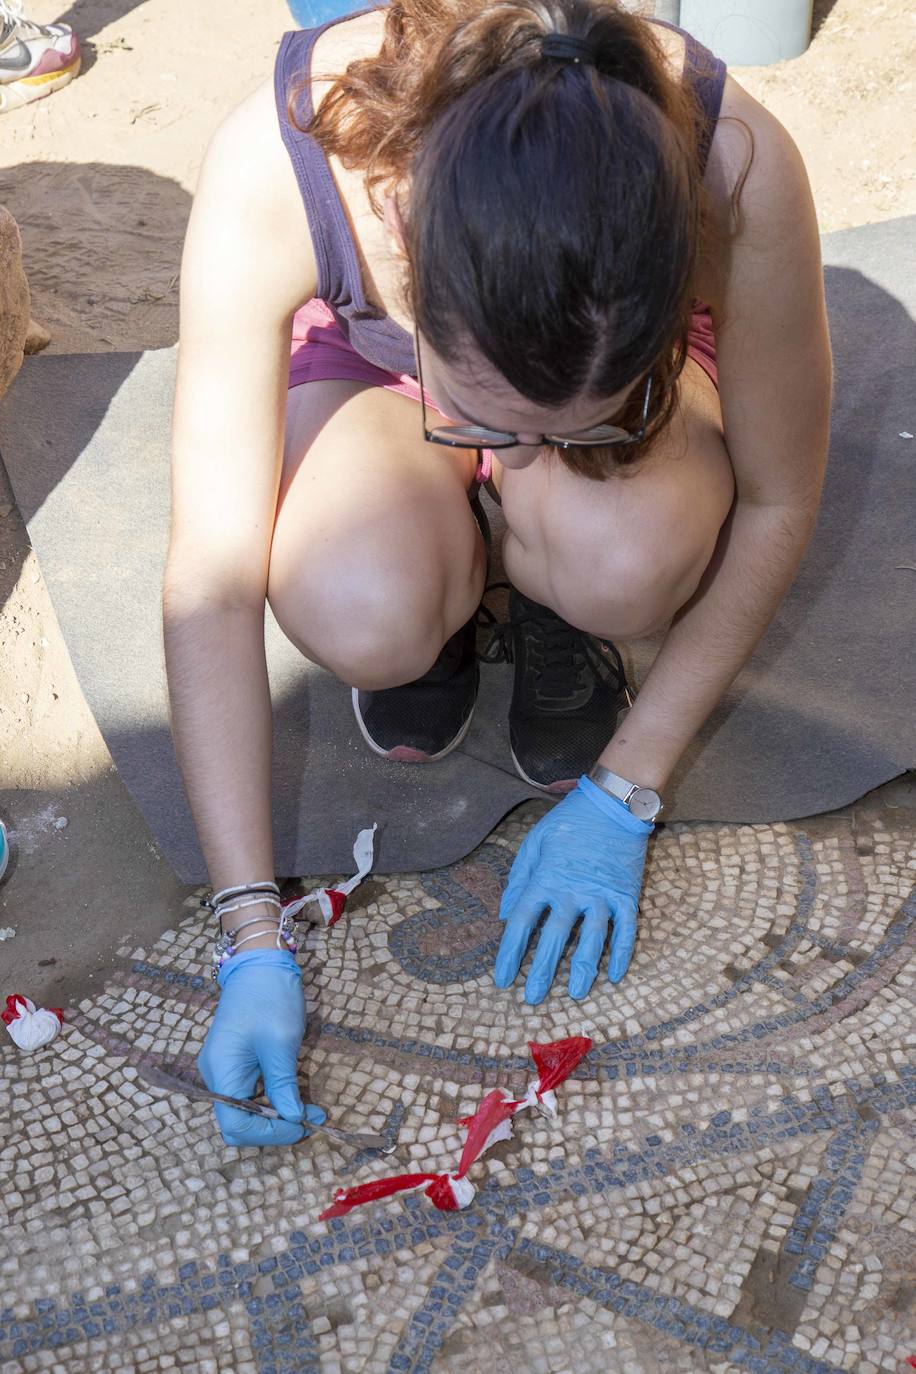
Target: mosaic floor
{"points": [[729, 1186]]}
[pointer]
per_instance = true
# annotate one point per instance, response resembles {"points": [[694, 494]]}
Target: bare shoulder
{"points": [[343, 43], [248, 153], [755, 167], [753, 151], [772, 340], [248, 219], [747, 137]]}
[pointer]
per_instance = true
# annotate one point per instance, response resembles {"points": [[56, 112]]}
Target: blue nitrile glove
{"points": [[584, 858], [256, 1032]]}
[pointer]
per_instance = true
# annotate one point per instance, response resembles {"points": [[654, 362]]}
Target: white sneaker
{"points": [[35, 59]]}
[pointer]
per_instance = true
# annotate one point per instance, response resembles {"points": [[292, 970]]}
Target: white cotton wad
{"points": [[332, 900], [463, 1190], [501, 1132], [31, 1027], [363, 855], [545, 1104]]}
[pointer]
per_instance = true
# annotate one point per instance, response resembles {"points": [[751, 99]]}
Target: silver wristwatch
{"points": [[642, 801]]}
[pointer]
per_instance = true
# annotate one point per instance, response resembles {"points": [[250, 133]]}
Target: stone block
{"points": [[14, 300]]}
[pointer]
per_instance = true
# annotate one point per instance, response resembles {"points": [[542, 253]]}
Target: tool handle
{"points": [[243, 1105], [364, 1140], [360, 1139]]}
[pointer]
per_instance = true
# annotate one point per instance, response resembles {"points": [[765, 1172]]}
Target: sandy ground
{"points": [[100, 178]]}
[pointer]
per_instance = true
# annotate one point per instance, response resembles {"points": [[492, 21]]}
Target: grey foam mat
{"points": [[823, 712]]}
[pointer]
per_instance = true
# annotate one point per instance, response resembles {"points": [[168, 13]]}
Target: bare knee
{"points": [[621, 571], [631, 597], [376, 558], [634, 588], [375, 615], [370, 632], [612, 598]]}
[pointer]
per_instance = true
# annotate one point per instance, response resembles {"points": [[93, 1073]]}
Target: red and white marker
{"points": [[492, 1122], [332, 900], [29, 1026]]}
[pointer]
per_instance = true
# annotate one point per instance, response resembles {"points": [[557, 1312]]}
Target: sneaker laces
{"points": [[498, 648], [12, 14], [558, 649]]}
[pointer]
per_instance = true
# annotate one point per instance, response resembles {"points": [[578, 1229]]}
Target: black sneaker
{"points": [[423, 721], [570, 688]]}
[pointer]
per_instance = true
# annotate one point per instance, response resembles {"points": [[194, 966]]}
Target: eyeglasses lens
{"points": [[475, 436]]}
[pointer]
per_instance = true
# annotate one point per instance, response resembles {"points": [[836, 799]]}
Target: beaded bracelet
{"points": [[231, 899]]}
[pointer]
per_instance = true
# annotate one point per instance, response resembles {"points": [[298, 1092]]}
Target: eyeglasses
{"points": [[479, 436]]}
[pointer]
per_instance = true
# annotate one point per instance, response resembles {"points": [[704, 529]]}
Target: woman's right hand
{"points": [[256, 1032], [228, 442]]}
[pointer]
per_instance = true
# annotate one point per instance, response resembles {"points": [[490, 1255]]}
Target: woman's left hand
{"points": [[584, 858]]}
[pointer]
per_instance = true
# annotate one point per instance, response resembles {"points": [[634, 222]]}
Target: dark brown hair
{"points": [[553, 211]]}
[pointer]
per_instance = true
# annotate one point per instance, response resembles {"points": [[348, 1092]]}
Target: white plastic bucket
{"points": [[749, 33]]}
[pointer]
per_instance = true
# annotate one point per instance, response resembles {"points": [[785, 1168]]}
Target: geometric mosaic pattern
{"points": [[729, 1186]]}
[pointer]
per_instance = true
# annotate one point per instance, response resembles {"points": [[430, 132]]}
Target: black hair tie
{"points": [[566, 47]]}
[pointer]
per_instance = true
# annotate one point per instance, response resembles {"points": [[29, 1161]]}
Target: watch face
{"points": [[645, 803]]}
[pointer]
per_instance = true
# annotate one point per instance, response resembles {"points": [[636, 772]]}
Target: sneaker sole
{"points": [[15, 94], [554, 789], [404, 753]]}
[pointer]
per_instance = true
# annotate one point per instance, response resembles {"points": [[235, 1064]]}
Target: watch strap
{"points": [[611, 782], [616, 786], [613, 807]]}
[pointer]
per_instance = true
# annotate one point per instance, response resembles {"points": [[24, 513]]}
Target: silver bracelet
{"points": [[257, 899], [216, 899], [238, 898]]}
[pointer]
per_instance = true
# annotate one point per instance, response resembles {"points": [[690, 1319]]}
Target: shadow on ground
{"points": [[74, 219], [821, 13], [84, 874], [89, 17]]}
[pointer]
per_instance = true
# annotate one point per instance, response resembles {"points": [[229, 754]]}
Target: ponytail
{"points": [[552, 205], [434, 51]]}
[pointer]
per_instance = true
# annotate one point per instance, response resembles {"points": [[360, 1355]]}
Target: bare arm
{"points": [[247, 265], [775, 381]]}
